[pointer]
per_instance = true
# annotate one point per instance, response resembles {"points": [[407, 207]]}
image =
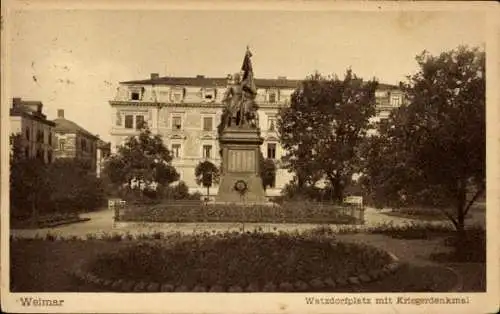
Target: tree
{"points": [[75, 186], [432, 152], [321, 130], [29, 184], [206, 174], [143, 157]]}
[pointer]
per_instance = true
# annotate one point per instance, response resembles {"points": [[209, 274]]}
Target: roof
{"points": [[103, 145], [222, 82], [67, 126], [27, 109]]}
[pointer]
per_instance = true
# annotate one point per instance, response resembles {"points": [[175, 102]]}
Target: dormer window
{"points": [[136, 93], [209, 94], [177, 95]]}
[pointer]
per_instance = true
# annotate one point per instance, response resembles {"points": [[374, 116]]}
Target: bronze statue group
{"points": [[239, 98]]}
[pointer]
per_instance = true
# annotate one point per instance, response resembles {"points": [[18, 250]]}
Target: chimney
{"points": [[16, 102], [155, 76], [60, 113]]}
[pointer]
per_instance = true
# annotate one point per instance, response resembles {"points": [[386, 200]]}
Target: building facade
{"points": [[36, 131], [103, 152], [74, 142], [185, 111]]}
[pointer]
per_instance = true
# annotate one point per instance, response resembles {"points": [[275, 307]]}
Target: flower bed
{"points": [[243, 262], [288, 213]]}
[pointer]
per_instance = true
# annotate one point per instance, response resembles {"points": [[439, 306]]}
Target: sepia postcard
{"points": [[250, 157]]}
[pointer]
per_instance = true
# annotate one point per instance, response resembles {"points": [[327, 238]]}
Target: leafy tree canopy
{"points": [[143, 157], [206, 173], [433, 151], [323, 127]]}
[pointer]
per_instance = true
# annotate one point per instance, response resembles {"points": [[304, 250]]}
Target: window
{"points": [[50, 138], [177, 95], [272, 97], [139, 122], [209, 94], [49, 157], [28, 131], [129, 121], [176, 123], [39, 136], [271, 123], [62, 144], [380, 94], [118, 119], [176, 150], [27, 152], [207, 151], [83, 144], [207, 124], [135, 96], [395, 101], [271, 151]]}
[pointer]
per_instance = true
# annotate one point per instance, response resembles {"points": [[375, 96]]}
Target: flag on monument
{"points": [[248, 83]]}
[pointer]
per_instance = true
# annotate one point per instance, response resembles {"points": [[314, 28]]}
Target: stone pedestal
{"points": [[240, 167]]}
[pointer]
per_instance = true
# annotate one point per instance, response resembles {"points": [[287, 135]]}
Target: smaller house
{"points": [[75, 142], [36, 131]]}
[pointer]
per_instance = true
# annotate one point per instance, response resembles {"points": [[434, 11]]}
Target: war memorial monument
{"points": [[240, 141]]}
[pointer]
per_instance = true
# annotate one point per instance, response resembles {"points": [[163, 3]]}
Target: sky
{"points": [[74, 59]]}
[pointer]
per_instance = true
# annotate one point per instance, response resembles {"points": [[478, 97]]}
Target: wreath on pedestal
{"points": [[241, 187]]}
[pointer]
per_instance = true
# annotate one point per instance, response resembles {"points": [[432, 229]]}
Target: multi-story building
{"points": [[388, 97], [37, 133], [75, 142], [185, 111]]}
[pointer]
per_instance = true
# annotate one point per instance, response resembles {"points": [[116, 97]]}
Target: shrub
{"points": [[198, 211], [412, 230], [176, 191], [74, 187]]}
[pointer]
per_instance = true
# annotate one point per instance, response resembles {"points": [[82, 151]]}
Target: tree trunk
{"points": [[461, 203], [34, 212], [339, 192], [338, 188], [300, 182]]}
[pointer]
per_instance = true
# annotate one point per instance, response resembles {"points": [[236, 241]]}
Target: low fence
{"points": [[198, 211]]}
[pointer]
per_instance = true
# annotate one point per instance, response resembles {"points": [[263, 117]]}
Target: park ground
{"points": [[43, 266]]}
